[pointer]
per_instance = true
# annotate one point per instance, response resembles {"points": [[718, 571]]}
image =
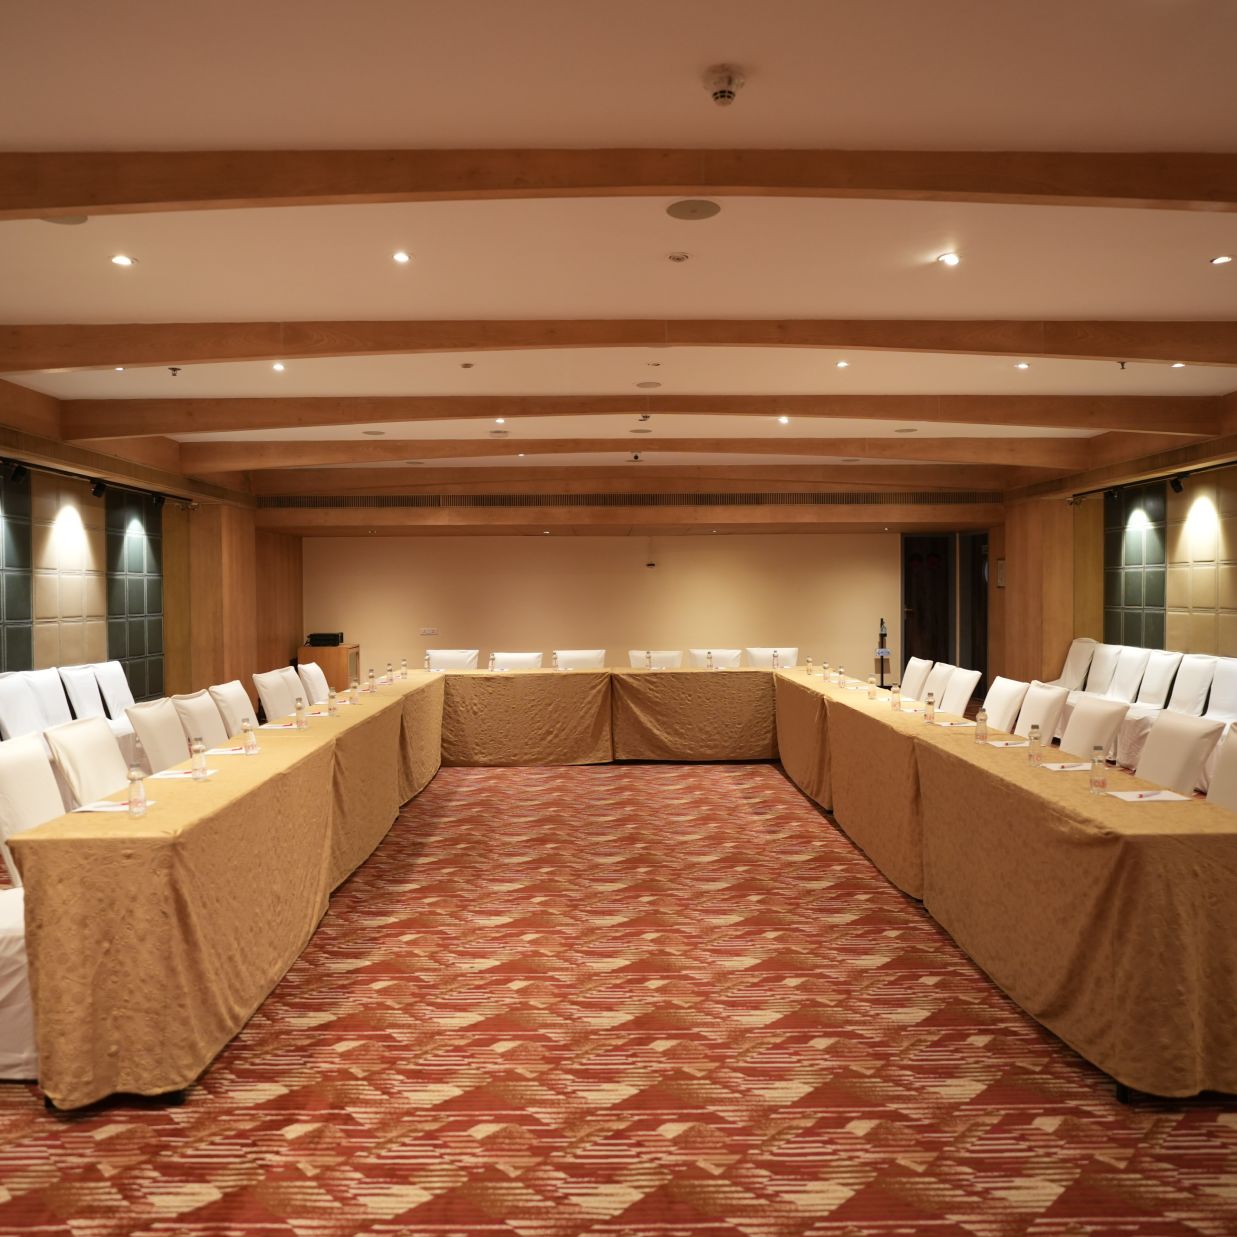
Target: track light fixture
{"points": [[157, 500], [18, 471], [97, 489], [1177, 484]]}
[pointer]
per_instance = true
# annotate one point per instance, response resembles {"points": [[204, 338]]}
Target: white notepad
{"points": [[106, 805], [1148, 796], [169, 774], [228, 751], [1007, 742], [1081, 767], [954, 725]]}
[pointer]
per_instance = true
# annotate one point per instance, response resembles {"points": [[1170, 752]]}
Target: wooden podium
{"points": [[341, 663]]}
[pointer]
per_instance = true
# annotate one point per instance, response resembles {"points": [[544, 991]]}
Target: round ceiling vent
{"points": [[693, 209], [678, 256], [647, 386], [640, 429]]}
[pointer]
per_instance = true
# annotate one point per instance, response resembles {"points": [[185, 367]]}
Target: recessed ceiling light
{"points": [[120, 369], [783, 420], [693, 209], [401, 256], [949, 259], [653, 364], [278, 367], [1223, 260], [908, 429], [373, 433], [647, 386], [123, 259], [640, 429], [843, 365], [545, 532], [500, 420], [1177, 365], [520, 456], [1021, 365], [466, 365]]}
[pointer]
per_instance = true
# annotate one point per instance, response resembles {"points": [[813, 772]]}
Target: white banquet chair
{"points": [[82, 688], [1004, 699], [29, 794], [1221, 707], [278, 699], [1176, 749], [762, 659], [1126, 679], [914, 677], [1092, 724], [114, 686], [1041, 706], [89, 758], [723, 659], [1077, 661], [659, 659], [936, 682], [20, 712], [452, 659], [517, 661], [1223, 789], [234, 705], [200, 718], [49, 691], [580, 659], [313, 681], [1190, 685], [958, 693], [157, 725]]}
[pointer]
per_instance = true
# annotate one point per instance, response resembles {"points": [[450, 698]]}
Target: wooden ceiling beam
{"points": [[39, 184], [85, 419], [217, 457], [29, 347]]}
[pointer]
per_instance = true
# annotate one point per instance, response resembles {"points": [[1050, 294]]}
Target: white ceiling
{"points": [[901, 74]]}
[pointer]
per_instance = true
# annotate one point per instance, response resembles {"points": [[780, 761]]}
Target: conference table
{"points": [[151, 941], [1113, 923]]}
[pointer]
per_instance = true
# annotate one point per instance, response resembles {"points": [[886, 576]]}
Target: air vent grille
{"points": [[920, 498]]}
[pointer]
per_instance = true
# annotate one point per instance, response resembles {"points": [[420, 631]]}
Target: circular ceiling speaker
{"points": [[693, 209]]}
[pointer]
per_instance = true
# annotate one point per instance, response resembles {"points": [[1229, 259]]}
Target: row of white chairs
{"points": [[595, 659], [33, 700], [951, 686]]}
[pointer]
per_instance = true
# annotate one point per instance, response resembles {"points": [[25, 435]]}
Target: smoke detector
{"points": [[723, 82]]}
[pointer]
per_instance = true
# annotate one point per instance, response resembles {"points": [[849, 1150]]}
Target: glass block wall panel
{"points": [[1135, 565], [16, 584], [135, 590]]}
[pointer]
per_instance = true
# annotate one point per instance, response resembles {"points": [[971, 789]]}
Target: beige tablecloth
{"points": [[152, 941], [526, 717], [803, 734], [1113, 923], [694, 715]]}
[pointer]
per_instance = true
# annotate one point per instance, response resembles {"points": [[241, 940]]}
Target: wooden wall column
{"points": [[1039, 592]]}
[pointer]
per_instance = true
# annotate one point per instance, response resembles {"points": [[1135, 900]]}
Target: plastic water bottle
{"points": [[354, 694], [490, 667], [1099, 771], [371, 684], [708, 660], [895, 698], [427, 661], [197, 751], [1035, 751], [824, 670], [871, 687], [807, 665], [648, 659], [137, 792], [929, 707], [403, 667], [554, 659], [332, 704], [390, 673], [841, 676], [249, 740], [775, 659], [302, 718], [981, 726]]}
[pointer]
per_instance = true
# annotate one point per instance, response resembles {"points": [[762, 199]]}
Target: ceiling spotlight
{"points": [[278, 367], [97, 489], [843, 365], [1177, 484], [18, 471], [401, 256], [120, 369], [1223, 260], [520, 455], [1021, 365], [500, 420], [157, 500], [545, 532], [1177, 365], [692, 209], [783, 420], [123, 259], [949, 259]]}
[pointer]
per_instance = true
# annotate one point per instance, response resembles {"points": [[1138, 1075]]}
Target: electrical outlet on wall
{"points": [[429, 631]]}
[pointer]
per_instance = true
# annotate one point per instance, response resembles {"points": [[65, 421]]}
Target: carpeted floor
{"points": [[627, 1000]]}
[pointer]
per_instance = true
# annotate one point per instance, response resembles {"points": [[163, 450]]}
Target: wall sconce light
{"points": [[1177, 484], [97, 489]]}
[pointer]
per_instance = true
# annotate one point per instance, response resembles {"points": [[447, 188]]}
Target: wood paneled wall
{"points": [[1039, 594], [280, 608], [1089, 569], [996, 603]]}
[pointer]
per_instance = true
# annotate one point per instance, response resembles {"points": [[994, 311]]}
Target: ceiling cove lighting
{"points": [[123, 259], [948, 259]]}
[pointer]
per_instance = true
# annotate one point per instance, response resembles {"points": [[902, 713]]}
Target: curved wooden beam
{"points": [[24, 348], [39, 184]]}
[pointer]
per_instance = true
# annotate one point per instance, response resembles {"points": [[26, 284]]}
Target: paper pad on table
{"points": [[181, 773], [1081, 767], [106, 805], [277, 726], [1148, 796], [1007, 742], [226, 751], [954, 725]]}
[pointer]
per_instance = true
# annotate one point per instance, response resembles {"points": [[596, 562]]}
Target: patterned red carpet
{"points": [[627, 1001]]}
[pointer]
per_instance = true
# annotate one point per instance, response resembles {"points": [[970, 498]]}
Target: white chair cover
{"points": [[89, 758], [662, 659], [157, 725], [452, 659], [936, 682], [200, 718], [278, 700], [1192, 684], [1222, 704], [1223, 789], [581, 659], [19, 1060], [517, 661], [787, 658], [727, 658], [1193, 678], [234, 705], [292, 681], [82, 689], [1092, 724], [20, 711], [1041, 706], [958, 694], [1003, 701], [1103, 667], [1176, 749], [28, 791], [114, 686], [1128, 676], [49, 691], [914, 677], [1077, 660], [1158, 678], [317, 689]]}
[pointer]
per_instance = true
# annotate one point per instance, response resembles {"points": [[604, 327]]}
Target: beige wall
{"points": [[824, 593], [70, 572], [1201, 593]]}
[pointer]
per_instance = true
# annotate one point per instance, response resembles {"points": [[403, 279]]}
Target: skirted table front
{"points": [[803, 733]]}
